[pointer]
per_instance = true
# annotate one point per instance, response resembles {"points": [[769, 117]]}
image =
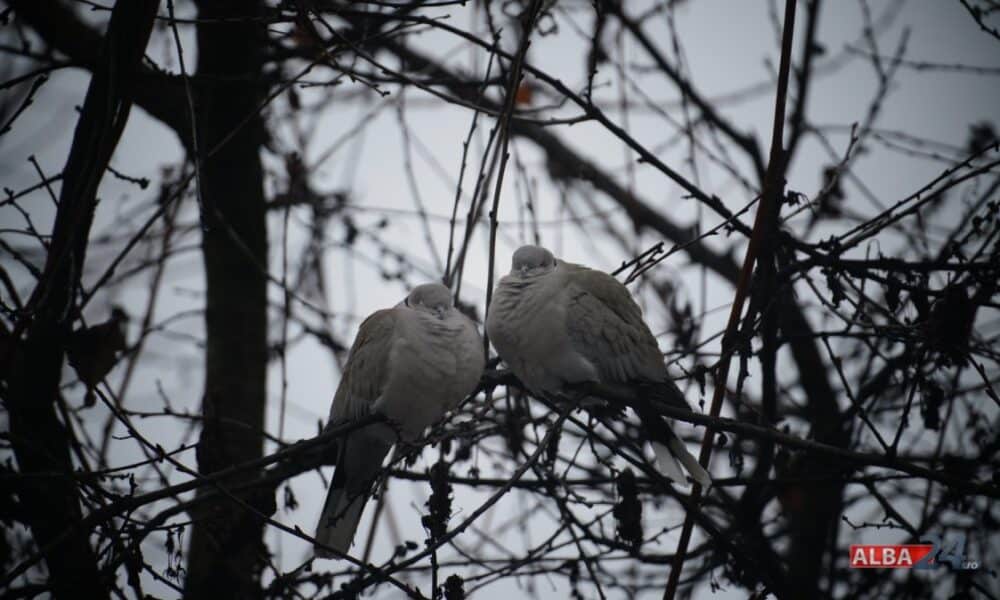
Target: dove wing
{"points": [[605, 325], [361, 452], [367, 369]]}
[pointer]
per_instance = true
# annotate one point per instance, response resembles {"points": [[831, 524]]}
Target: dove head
{"points": [[433, 298], [531, 261]]}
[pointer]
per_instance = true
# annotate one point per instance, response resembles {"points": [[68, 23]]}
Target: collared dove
{"points": [[557, 323], [411, 363]]}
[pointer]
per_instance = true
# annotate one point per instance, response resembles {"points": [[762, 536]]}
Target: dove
{"points": [[411, 364], [556, 324]]}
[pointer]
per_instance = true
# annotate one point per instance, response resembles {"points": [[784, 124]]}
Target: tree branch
{"points": [[40, 440], [161, 95]]}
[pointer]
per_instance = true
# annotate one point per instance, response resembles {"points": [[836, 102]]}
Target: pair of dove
{"points": [[554, 323]]}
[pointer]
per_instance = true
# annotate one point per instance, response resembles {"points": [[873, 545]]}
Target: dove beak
{"points": [[440, 312], [524, 270]]}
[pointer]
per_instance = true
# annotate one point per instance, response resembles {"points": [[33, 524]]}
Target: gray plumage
{"points": [[557, 323], [411, 363]]}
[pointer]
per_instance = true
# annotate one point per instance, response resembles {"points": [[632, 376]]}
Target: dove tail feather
{"points": [[694, 468], [357, 468], [671, 453], [668, 464], [338, 523]]}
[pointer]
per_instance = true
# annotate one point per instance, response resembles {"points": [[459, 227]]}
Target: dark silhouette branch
{"points": [[40, 441]]}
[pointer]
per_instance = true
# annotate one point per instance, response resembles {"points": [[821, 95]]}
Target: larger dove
{"points": [[557, 323], [412, 364]]}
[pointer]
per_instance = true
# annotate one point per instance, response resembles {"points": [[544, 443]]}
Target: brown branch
{"points": [[803, 78], [763, 234]]}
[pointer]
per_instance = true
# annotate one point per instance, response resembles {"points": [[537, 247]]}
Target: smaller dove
{"points": [[411, 364], [557, 324]]}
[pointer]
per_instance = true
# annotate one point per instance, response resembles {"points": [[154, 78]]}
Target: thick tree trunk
{"points": [[39, 439], [814, 511], [226, 548]]}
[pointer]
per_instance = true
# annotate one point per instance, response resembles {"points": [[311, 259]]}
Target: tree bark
{"points": [[226, 550], [813, 515], [40, 440]]}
